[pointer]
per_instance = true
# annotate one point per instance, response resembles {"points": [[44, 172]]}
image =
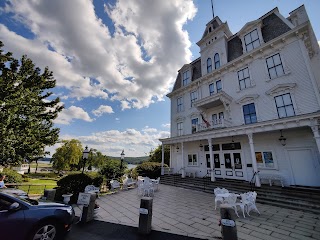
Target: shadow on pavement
{"points": [[98, 230]]}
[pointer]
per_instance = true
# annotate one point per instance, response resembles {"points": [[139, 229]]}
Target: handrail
{"points": [[253, 181], [205, 180], [16, 185]]}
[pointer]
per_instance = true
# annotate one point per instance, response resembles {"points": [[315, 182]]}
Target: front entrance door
{"points": [[227, 165], [305, 168], [233, 166]]}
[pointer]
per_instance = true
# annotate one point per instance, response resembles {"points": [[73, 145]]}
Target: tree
{"points": [[26, 113], [156, 154], [96, 159], [111, 169], [68, 155]]}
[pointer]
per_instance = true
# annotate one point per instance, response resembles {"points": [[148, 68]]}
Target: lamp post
{"points": [[85, 156], [122, 158]]}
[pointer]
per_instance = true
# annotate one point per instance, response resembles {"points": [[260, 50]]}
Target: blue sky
{"points": [[114, 61]]}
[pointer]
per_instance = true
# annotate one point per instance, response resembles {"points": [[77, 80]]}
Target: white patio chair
{"points": [[250, 202], [231, 201], [156, 183], [217, 198]]}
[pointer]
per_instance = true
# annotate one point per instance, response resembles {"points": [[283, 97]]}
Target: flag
{"points": [[205, 121]]}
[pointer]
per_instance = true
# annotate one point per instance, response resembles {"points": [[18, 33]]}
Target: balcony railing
{"points": [[216, 124]]}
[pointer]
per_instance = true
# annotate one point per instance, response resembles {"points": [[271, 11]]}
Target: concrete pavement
{"points": [[191, 213]]}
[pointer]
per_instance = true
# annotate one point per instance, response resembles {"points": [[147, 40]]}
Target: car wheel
{"points": [[45, 231]]}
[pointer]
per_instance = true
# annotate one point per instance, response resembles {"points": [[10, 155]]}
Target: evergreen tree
{"points": [[27, 110]]}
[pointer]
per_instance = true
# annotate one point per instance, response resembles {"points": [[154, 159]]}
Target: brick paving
{"points": [[191, 213]]}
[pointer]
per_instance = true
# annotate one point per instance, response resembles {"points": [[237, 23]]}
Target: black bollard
{"points": [[145, 217], [228, 223]]}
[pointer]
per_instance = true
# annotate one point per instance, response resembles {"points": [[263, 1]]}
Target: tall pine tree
{"points": [[27, 110]]}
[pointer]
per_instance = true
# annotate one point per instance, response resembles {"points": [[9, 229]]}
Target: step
{"points": [[289, 197]]}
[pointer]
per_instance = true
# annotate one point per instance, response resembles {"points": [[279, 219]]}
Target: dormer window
{"points": [[216, 61], [209, 29], [251, 40], [209, 65], [186, 78]]}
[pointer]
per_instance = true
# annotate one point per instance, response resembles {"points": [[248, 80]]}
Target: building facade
{"points": [[250, 103]]}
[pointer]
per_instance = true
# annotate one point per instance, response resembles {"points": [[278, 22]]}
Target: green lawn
{"points": [[37, 186]]}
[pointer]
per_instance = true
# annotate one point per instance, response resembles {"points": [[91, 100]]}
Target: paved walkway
{"points": [[191, 213]]}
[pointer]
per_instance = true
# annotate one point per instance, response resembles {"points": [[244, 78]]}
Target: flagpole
{"points": [[212, 9]]}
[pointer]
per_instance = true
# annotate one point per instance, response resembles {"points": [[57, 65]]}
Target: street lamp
{"points": [[122, 158], [85, 156]]}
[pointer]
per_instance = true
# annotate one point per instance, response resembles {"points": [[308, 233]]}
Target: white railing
{"points": [[218, 123]]}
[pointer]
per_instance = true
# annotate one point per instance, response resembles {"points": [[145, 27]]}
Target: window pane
{"points": [[252, 108], [246, 72], [286, 99], [249, 47], [247, 38], [276, 59], [248, 82], [190, 159], [256, 44], [279, 70], [253, 118], [254, 35], [272, 72], [270, 62], [242, 84], [282, 112], [290, 111], [240, 75], [221, 115], [219, 86], [247, 119], [246, 109], [279, 101]]}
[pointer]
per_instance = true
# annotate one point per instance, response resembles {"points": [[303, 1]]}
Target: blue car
{"points": [[27, 219]]}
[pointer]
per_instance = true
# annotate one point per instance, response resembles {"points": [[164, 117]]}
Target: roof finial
{"points": [[212, 10]]}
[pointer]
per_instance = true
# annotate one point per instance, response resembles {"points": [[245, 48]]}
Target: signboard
{"points": [[84, 199], [143, 211], [228, 222]]}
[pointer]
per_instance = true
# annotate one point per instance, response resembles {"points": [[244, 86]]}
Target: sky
{"points": [[114, 61]]}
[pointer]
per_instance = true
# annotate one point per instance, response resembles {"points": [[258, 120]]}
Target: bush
{"points": [[76, 183], [12, 176], [111, 169], [149, 169]]}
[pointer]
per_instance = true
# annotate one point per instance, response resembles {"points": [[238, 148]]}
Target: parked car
{"points": [[24, 218]]}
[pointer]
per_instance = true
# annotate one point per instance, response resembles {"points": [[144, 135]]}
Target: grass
{"points": [[37, 186], [41, 165]]}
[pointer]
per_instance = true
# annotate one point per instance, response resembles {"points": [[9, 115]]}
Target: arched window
{"points": [[216, 61], [209, 65]]}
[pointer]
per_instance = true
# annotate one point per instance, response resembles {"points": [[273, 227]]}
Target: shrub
{"points": [[111, 169], [149, 169], [12, 176], [76, 183]]}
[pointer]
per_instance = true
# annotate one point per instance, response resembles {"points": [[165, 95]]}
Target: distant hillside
{"points": [[133, 160]]}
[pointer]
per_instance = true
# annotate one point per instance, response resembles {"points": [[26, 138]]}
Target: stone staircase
{"points": [[298, 198]]}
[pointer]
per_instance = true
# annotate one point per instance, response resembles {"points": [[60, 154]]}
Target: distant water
{"points": [[131, 166]]}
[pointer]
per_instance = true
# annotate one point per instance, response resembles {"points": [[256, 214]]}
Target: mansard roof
{"points": [[272, 26]]}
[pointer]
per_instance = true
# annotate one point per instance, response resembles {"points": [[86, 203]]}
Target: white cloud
{"points": [[134, 142], [67, 115], [77, 46], [166, 125], [102, 109]]}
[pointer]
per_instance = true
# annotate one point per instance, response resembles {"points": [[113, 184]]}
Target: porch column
{"points": [[315, 130], [253, 157], [183, 172], [170, 157], [211, 160], [162, 160]]}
